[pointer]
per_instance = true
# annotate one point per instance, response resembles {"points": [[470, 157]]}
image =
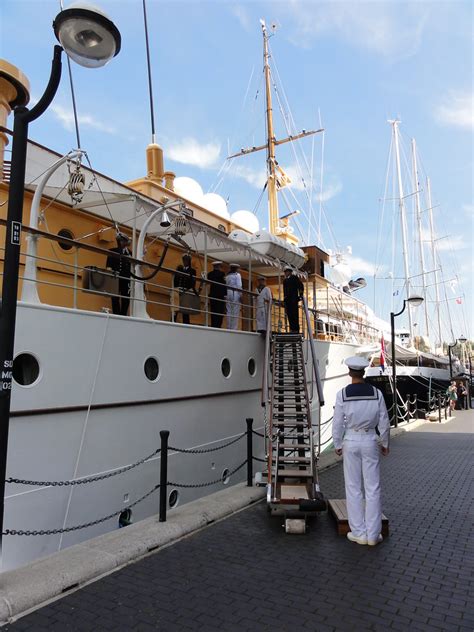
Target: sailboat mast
{"points": [[402, 219], [435, 262], [271, 162], [420, 237]]}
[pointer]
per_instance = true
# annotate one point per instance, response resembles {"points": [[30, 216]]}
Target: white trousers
{"points": [[233, 313], [362, 477]]}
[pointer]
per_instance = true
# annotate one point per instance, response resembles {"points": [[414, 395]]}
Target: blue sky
{"points": [[354, 64]]}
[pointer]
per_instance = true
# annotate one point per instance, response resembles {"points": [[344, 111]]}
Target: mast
{"points": [[435, 262], [271, 164], [402, 219], [418, 221]]}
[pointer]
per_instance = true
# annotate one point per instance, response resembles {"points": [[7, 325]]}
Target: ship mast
{"points": [[403, 220], [271, 164], [272, 183], [416, 184], [435, 261]]}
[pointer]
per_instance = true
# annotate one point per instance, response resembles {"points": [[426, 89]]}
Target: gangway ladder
{"points": [[292, 489]]}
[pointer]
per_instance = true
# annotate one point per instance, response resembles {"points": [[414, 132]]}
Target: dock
{"points": [[244, 573]]}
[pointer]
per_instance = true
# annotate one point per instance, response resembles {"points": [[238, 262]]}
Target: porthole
{"points": [[225, 476], [65, 232], [225, 367], [25, 369], [173, 498], [152, 369], [125, 518], [252, 367]]}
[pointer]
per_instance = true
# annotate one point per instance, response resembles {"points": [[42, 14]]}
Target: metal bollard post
{"points": [[439, 408], [164, 434], [249, 421], [415, 403], [446, 404]]}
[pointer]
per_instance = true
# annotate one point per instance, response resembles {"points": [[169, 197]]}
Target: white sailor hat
{"points": [[356, 363], [217, 263], [288, 268], [234, 265]]}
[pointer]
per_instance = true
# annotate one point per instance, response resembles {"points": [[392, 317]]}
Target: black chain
{"points": [[82, 481], [205, 450], [259, 434], [79, 526], [218, 480], [327, 421], [255, 458]]}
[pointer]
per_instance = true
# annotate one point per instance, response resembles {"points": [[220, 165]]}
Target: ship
{"points": [[92, 389]]}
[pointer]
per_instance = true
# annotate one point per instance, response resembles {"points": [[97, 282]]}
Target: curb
{"points": [[29, 587]]}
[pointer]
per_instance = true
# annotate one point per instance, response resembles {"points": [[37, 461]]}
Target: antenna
{"points": [[150, 85]]}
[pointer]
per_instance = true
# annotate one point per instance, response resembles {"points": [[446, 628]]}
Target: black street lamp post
{"points": [[91, 39], [415, 301], [461, 340]]}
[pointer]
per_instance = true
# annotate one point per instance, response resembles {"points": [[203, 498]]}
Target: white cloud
{"points": [[451, 242], [329, 191], [255, 177], [457, 110], [189, 151], [241, 13], [66, 118], [468, 209], [376, 26], [361, 266]]}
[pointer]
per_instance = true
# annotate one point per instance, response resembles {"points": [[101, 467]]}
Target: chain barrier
{"points": [[255, 458], [79, 526], [87, 479], [259, 434], [206, 450], [218, 480]]}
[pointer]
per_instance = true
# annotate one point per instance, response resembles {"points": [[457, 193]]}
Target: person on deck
{"points": [[121, 266], [452, 395], [217, 294], [184, 280], [261, 305], [360, 409], [293, 290], [234, 285]]}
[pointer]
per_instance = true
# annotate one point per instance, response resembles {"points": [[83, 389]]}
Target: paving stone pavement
{"points": [[246, 574]]}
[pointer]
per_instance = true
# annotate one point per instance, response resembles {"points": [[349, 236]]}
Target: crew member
{"points": [[217, 294], [233, 296], [293, 290], [261, 304], [121, 267], [184, 280], [359, 409]]}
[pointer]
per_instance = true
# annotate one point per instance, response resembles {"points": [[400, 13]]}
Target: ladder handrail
{"points": [[268, 336], [313, 353]]}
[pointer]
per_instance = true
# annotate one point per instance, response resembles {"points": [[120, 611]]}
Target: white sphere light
{"points": [[189, 189], [216, 203], [247, 220], [87, 35]]}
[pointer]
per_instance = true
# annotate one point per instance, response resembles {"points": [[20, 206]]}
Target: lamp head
{"points": [[87, 35], [462, 339], [415, 301]]}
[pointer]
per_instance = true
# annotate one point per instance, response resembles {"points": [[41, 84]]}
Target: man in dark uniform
{"points": [[217, 294], [293, 290], [121, 266], [184, 279]]}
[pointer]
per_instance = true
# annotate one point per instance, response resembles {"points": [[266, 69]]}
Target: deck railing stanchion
{"points": [[74, 295]]}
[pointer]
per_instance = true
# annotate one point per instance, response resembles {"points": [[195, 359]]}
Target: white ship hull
{"points": [[92, 410]]}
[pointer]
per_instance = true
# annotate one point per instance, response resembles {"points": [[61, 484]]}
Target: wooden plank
{"points": [[338, 510]]}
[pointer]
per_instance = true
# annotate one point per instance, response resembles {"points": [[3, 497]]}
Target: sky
{"points": [[345, 66]]}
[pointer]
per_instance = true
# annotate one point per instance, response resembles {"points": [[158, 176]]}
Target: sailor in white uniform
{"points": [[261, 304], [234, 285], [360, 408]]}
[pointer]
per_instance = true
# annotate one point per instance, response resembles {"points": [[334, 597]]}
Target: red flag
{"points": [[382, 353]]}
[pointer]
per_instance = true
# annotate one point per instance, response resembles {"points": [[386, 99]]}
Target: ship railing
{"points": [[160, 306]]}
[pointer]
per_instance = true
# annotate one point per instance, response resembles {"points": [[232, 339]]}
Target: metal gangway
{"points": [[292, 441]]}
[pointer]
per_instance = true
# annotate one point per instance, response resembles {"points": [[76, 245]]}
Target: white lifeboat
{"points": [[265, 243]]}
